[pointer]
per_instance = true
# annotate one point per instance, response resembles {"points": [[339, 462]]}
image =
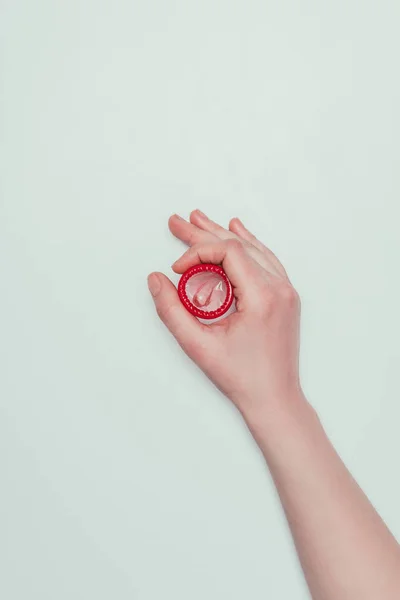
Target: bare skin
{"points": [[346, 550]]}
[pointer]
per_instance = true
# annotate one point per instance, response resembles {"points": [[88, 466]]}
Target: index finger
{"points": [[243, 272]]}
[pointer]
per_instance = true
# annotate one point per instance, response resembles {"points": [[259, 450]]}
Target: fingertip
{"points": [[158, 274], [235, 223], [196, 215], [184, 326], [171, 221], [175, 219], [235, 245], [176, 267], [154, 283], [188, 258]]}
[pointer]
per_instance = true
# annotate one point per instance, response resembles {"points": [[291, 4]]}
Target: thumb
{"points": [[183, 326]]}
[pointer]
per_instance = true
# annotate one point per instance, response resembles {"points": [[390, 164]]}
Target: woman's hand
{"points": [[345, 549], [251, 355]]}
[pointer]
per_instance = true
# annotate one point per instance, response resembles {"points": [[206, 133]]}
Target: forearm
{"points": [[346, 551]]}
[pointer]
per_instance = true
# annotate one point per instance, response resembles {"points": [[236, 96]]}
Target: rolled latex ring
{"points": [[205, 291]]}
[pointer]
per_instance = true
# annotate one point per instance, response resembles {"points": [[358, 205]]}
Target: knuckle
{"points": [[246, 244], [191, 238], [234, 245], [165, 312], [274, 297], [194, 248], [161, 312], [288, 294]]}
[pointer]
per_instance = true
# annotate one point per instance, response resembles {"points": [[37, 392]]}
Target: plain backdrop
{"points": [[124, 473]]}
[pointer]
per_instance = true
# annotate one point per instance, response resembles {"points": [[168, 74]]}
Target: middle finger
{"points": [[203, 222], [188, 233]]}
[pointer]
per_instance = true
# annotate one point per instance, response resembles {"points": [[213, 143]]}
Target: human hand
{"points": [[251, 355]]}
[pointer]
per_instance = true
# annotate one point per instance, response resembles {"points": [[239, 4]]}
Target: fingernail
{"points": [[201, 214], [177, 217], [154, 283]]}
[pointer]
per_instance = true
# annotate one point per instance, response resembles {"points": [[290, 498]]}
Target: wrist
{"points": [[270, 422]]}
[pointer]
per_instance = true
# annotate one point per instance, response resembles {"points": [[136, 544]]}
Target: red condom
{"points": [[205, 291]]}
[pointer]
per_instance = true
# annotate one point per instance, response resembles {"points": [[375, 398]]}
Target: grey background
{"points": [[124, 474]]}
